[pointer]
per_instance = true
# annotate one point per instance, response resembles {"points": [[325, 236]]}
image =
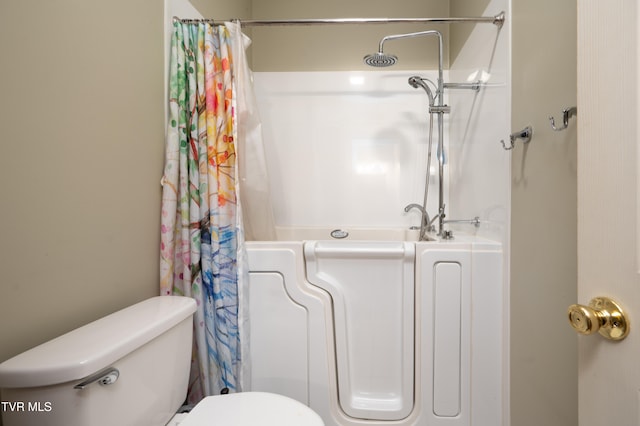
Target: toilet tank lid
{"points": [[97, 345]]}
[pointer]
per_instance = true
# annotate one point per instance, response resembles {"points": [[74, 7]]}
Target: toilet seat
{"points": [[250, 409]]}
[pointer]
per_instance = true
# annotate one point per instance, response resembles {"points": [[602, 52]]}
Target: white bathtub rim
{"points": [[311, 233]]}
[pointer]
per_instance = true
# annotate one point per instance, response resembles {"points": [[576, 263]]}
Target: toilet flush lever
{"points": [[105, 377]]}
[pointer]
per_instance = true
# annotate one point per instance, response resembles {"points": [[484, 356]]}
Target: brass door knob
{"points": [[602, 315]]}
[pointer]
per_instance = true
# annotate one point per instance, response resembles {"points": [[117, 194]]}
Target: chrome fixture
{"points": [[436, 106], [567, 113], [417, 81], [475, 86], [426, 225], [475, 221], [380, 59], [424, 219], [339, 234], [435, 92], [524, 134], [497, 20], [105, 377]]}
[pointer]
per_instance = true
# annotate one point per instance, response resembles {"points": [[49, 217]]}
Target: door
{"points": [[608, 220]]}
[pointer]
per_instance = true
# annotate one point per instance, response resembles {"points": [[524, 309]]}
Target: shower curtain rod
{"points": [[497, 20]]}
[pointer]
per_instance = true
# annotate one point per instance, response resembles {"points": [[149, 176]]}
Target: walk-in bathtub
{"points": [[369, 327]]}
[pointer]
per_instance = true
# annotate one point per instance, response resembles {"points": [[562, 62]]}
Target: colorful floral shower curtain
{"points": [[202, 243]]}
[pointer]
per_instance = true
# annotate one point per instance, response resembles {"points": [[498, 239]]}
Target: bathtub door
{"points": [[372, 289]]}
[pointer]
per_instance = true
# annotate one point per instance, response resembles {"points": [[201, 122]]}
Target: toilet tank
{"points": [[128, 368]]}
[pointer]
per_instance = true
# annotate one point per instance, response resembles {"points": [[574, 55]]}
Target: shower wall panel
{"points": [[481, 176], [346, 148], [480, 168]]}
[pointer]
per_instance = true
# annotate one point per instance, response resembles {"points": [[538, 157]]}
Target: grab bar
{"points": [[475, 221], [357, 249]]}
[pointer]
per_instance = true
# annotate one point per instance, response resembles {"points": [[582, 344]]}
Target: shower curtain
{"points": [[202, 235]]}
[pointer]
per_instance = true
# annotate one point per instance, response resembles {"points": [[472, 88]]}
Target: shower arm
{"points": [[440, 89]]}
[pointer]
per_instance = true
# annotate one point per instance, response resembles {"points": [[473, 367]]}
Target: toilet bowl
{"points": [[250, 409], [129, 368]]}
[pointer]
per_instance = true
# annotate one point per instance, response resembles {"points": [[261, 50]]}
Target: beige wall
{"points": [[460, 33], [342, 47], [82, 156], [543, 224], [82, 153], [223, 9], [81, 113]]}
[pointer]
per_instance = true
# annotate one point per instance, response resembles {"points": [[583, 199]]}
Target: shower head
{"points": [[380, 59], [416, 82]]}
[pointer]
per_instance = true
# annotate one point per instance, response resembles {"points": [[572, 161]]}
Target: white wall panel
{"points": [[345, 148]]}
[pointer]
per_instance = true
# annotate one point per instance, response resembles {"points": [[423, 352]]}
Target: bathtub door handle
{"points": [[603, 315], [105, 377]]}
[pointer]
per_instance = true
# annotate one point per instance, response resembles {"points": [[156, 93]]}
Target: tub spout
{"points": [[412, 206], [423, 212], [425, 223]]}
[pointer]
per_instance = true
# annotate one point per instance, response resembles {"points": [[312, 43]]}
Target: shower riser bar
{"points": [[497, 20]]}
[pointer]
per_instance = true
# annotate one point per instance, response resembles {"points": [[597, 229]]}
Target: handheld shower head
{"points": [[380, 59], [416, 82]]}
